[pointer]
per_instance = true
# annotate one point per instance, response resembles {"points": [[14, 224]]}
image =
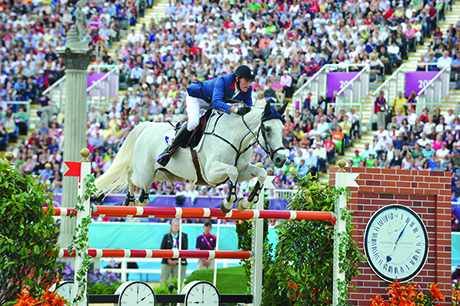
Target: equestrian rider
{"points": [[212, 94]]}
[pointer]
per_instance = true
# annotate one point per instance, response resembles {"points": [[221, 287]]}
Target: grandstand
{"points": [[176, 43]]}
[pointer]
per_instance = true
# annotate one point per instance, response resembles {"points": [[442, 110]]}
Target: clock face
{"points": [[135, 293], [396, 243], [65, 290], [202, 293]]}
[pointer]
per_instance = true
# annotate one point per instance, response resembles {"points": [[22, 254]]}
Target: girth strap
{"points": [[199, 177]]}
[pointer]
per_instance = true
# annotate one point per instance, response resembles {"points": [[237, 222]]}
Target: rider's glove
{"points": [[243, 110]]}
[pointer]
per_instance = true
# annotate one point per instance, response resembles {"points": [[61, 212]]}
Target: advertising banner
{"points": [[415, 81], [338, 80]]}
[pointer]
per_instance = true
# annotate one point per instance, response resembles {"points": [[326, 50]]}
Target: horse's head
{"points": [[272, 129]]}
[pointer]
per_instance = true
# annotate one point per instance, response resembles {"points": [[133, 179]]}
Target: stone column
{"points": [[77, 57]]}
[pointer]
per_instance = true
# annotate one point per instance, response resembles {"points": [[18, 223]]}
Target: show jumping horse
{"points": [[223, 154]]}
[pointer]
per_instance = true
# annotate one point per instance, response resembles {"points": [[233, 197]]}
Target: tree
{"points": [[27, 235]]}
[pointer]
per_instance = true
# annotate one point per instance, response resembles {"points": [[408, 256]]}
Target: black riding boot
{"points": [[182, 135]]}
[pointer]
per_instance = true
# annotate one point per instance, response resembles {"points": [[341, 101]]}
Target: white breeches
{"points": [[194, 107]]}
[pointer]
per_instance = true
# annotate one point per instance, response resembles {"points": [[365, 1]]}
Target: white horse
{"points": [[223, 154]]}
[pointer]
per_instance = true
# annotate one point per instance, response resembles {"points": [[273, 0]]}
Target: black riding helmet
{"points": [[245, 72]]}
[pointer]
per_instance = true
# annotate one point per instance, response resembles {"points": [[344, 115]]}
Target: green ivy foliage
{"points": [[301, 271], [27, 235]]}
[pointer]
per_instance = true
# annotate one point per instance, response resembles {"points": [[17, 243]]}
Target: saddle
{"points": [[197, 134]]}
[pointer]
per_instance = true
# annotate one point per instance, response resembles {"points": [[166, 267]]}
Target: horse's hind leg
{"points": [[144, 197], [129, 201]]}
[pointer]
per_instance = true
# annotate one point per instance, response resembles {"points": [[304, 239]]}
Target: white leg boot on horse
{"points": [[247, 173]]}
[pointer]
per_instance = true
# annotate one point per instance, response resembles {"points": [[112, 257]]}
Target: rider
{"points": [[212, 94]]}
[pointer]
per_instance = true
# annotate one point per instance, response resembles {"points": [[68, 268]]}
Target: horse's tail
{"points": [[116, 177]]}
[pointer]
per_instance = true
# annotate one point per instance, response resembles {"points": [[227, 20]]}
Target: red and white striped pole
{"points": [[175, 253], [197, 213]]}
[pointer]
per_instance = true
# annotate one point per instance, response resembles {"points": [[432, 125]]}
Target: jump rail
{"points": [[108, 253], [197, 213]]}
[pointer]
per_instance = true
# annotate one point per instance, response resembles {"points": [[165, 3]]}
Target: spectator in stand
{"points": [[444, 61], [411, 100], [380, 105], [356, 160], [398, 104]]}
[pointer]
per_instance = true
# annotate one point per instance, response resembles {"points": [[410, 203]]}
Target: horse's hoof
{"points": [[146, 201], [224, 209]]}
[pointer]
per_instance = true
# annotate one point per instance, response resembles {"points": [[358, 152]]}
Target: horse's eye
{"points": [[268, 129]]}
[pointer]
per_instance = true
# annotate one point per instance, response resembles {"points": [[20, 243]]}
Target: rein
{"points": [[239, 151]]}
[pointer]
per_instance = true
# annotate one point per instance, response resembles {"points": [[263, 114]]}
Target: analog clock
{"points": [[134, 293], [396, 243], [201, 293], [64, 290]]}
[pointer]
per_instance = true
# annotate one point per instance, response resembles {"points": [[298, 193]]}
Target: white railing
{"points": [[433, 92], [27, 106], [301, 93], [124, 271], [346, 96], [59, 85], [99, 93], [397, 83], [281, 193], [317, 84], [57, 104]]}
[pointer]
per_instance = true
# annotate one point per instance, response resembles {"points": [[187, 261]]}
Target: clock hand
{"points": [[202, 294], [400, 234], [396, 243]]}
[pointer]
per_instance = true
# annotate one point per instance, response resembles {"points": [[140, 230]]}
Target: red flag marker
{"points": [[74, 169]]}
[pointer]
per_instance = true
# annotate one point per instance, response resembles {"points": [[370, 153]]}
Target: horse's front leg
{"points": [[249, 172], [219, 170]]}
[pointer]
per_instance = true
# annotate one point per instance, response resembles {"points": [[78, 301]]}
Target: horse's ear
{"points": [[267, 110], [282, 109]]}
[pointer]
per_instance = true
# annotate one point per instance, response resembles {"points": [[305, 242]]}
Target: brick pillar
{"points": [[428, 193]]}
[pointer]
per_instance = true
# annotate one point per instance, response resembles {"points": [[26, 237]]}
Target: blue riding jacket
{"points": [[216, 90]]}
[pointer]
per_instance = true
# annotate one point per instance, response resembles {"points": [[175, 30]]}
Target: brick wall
{"points": [[428, 193]]}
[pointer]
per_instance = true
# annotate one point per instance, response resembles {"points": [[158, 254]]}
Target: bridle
{"points": [[240, 150], [268, 149]]}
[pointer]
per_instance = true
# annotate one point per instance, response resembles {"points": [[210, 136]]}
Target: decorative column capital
{"points": [[77, 60], [76, 53]]}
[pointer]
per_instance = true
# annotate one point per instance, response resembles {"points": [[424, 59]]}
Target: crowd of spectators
{"points": [[285, 42], [30, 34]]}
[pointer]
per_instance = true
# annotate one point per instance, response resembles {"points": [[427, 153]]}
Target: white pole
{"points": [[179, 239], [217, 248], [257, 249], [342, 179], [85, 169], [258, 243]]}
